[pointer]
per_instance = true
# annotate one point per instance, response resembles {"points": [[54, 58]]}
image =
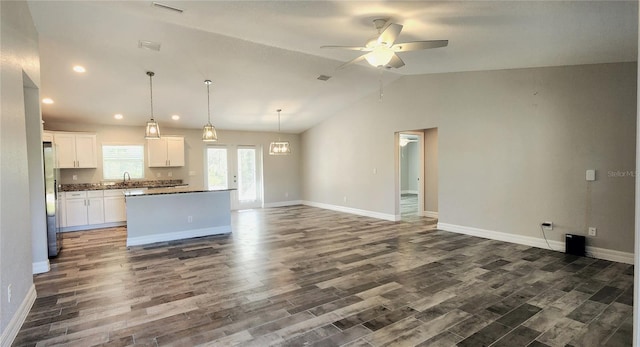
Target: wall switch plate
{"points": [[592, 231], [375, 170], [591, 175], [189, 219]]}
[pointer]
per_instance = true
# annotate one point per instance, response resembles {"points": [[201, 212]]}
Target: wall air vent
{"points": [[323, 77], [166, 7], [150, 45]]}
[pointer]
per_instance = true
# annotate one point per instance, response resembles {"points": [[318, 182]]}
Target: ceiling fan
{"points": [[382, 50]]}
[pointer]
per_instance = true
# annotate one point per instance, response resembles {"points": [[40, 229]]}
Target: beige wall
{"points": [[19, 54], [513, 147], [281, 173], [431, 170]]}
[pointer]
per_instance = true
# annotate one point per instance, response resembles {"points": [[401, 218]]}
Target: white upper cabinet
{"points": [[75, 150], [166, 151]]}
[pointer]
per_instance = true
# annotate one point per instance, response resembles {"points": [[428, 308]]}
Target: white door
{"points": [[238, 168]]}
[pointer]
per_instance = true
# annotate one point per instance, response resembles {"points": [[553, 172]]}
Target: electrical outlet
{"points": [[192, 173], [170, 174], [9, 293], [547, 225], [375, 170], [344, 198], [74, 177], [592, 231], [286, 194], [158, 174], [189, 219]]}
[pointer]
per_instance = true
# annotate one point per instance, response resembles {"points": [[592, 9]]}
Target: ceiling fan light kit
{"points": [[152, 131], [279, 147], [209, 131], [382, 51]]}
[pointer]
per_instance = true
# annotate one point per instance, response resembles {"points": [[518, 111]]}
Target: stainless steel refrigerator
{"points": [[54, 237]]}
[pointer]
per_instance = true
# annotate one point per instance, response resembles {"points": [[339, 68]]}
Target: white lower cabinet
{"points": [[114, 206], [83, 208]]}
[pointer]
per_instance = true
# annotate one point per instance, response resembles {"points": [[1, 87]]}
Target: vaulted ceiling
{"points": [[265, 55]]}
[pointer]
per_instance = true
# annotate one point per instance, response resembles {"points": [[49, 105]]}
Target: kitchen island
{"points": [[167, 214]]}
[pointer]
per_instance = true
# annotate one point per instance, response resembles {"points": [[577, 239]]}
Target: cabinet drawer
{"points": [[94, 194], [114, 192], [75, 195]]}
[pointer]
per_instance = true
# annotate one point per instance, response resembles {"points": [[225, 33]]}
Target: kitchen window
{"points": [[118, 159]]}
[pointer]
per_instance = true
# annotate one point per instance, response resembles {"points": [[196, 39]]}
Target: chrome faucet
{"points": [[124, 177]]}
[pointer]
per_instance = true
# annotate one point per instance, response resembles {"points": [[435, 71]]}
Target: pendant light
{"points": [[152, 131], [209, 131], [279, 147]]}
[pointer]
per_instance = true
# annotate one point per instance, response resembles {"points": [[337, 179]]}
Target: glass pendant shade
{"points": [[152, 130], [209, 133], [380, 56], [279, 147]]}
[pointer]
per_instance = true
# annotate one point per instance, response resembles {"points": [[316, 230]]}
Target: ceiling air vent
{"points": [[323, 77], [166, 7], [150, 45]]}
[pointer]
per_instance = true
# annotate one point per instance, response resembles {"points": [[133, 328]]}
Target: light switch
{"points": [[591, 175]]}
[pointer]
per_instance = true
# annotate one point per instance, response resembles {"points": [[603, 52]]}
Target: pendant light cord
{"points": [[208, 103], [279, 122], [151, 89]]}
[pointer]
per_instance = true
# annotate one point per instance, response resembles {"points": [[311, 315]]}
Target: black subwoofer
{"points": [[575, 244]]}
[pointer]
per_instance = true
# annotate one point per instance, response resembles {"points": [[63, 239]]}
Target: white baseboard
{"points": [[372, 214], [11, 330], [282, 203], [178, 235], [92, 226], [600, 253], [40, 267], [430, 214]]}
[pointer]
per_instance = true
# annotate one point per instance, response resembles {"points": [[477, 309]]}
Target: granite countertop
{"points": [[121, 185], [174, 190]]}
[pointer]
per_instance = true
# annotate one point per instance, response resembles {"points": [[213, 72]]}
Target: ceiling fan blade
{"points": [[396, 61], [356, 60], [389, 34], [351, 48], [418, 45]]}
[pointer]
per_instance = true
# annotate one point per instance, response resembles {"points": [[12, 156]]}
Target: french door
{"points": [[238, 168]]}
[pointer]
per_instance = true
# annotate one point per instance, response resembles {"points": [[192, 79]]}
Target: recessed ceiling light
{"points": [[79, 69], [175, 117], [117, 116], [47, 101]]}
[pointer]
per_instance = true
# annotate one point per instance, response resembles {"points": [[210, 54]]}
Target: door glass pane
{"points": [[247, 190], [217, 177]]}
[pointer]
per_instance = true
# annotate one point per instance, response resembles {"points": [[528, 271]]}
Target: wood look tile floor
{"points": [[298, 276]]}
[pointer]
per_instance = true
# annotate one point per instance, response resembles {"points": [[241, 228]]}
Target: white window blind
{"points": [[118, 159]]}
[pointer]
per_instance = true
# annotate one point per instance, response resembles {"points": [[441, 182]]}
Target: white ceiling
{"points": [[265, 55]]}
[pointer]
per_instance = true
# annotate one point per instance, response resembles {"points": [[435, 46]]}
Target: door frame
{"points": [[232, 174]]}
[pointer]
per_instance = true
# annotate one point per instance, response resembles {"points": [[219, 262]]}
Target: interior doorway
{"points": [[417, 174], [411, 175]]}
